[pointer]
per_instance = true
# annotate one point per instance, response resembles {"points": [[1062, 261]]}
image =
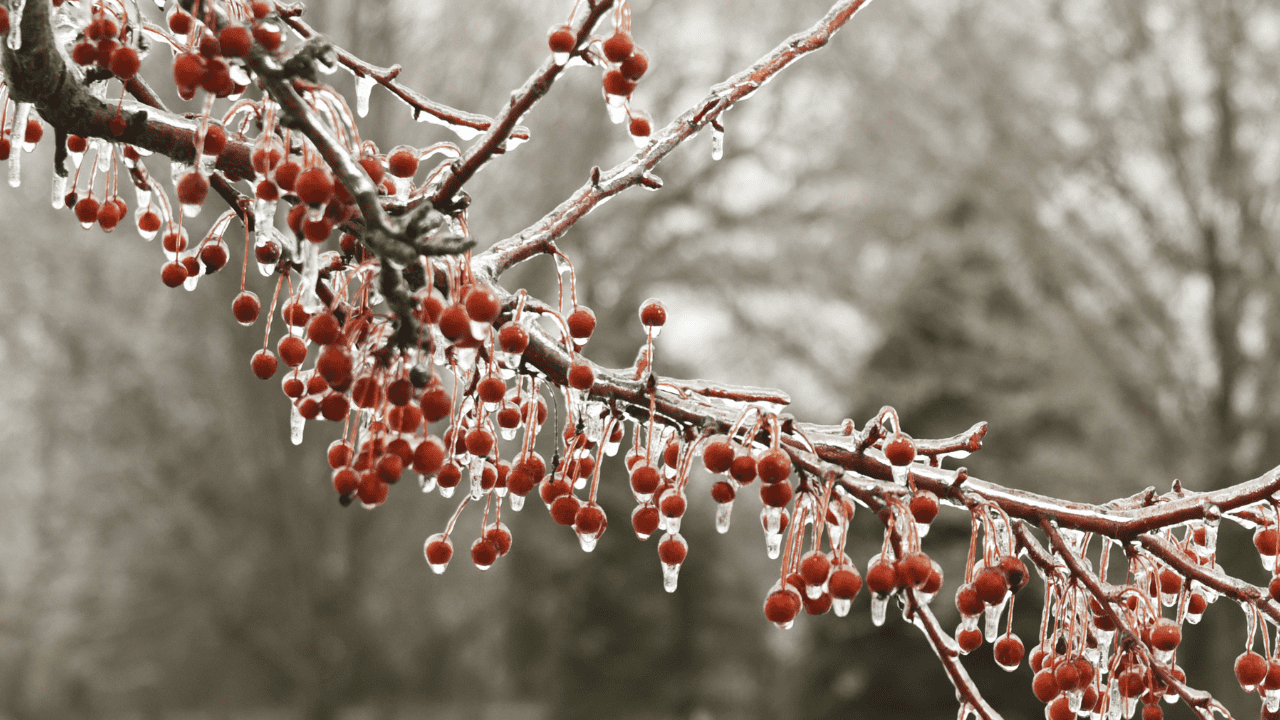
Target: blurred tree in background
{"points": [[1055, 217]]}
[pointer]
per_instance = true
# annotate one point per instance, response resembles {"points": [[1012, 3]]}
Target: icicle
{"points": [[296, 425], [562, 263], [773, 545], [841, 606], [15, 24], [426, 484], [879, 604], [517, 502], [15, 156], [992, 628], [724, 511], [59, 192], [310, 276], [364, 87], [717, 144], [616, 105]]}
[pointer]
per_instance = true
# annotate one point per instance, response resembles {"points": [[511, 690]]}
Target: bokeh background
{"points": [[1058, 217]]}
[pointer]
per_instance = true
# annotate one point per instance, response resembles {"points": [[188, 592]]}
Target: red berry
{"points": [[617, 84], [389, 468], [500, 537], [335, 407], [967, 601], [743, 469], [33, 133], [323, 329], [774, 466], [339, 454], [334, 365], [267, 36], [483, 305], [513, 338], [634, 66], [900, 450], [455, 324], [673, 505], [913, 569], [188, 70], [564, 510], [449, 476], [403, 162], [246, 307], [924, 507], [590, 520], [149, 221], [815, 567], [214, 256], [192, 189], [292, 350], [1267, 541], [86, 211], [782, 605], [1044, 686], [718, 455], [286, 174], [236, 41], [294, 314], [653, 313], [672, 550], [1251, 669], [640, 125], [173, 274], [582, 322], [436, 404], [372, 491], [492, 390], [1165, 635], [429, 456], [845, 582], [881, 577], [1059, 709], [261, 9], [317, 231], [313, 186], [180, 22], [215, 141], [480, 442], [438, 550], [124, 62], [1008, 651], [1152, 711], [618, 46], [968, 640], [990, 585], [561, 40], [84, 53], [263, 363], [581, 376], [776, 495], [345, 481], [1015, 572]]}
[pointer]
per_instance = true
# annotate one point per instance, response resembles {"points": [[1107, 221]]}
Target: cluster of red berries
{"points": [[203, 63], [102, 44], [624, 63]]}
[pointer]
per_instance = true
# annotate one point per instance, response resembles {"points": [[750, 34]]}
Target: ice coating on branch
{"points": [[15, 24], [464, 132]]}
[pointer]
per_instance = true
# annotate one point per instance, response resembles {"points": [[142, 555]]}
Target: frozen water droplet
{"points": [[427, 484], [773, 545], [724, 512], [616, 105], [479, 329], [670, 576], [310, 276], [296, 425], [922, 529], [560, 58], [517, 502], [59, 192], [437, 568], [15, 24], [717, 144], [900, 473], [841, 606], [562, 263], [190, 209], [579, 483], [879, 605], [991, 629], [588, 541], [508, 433], [447, 492], [672, 524], [364, 87]]}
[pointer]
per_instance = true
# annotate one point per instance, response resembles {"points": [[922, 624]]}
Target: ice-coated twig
{"points": [[494, 140], [387, 78], [949, 655], [533, 240]]}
